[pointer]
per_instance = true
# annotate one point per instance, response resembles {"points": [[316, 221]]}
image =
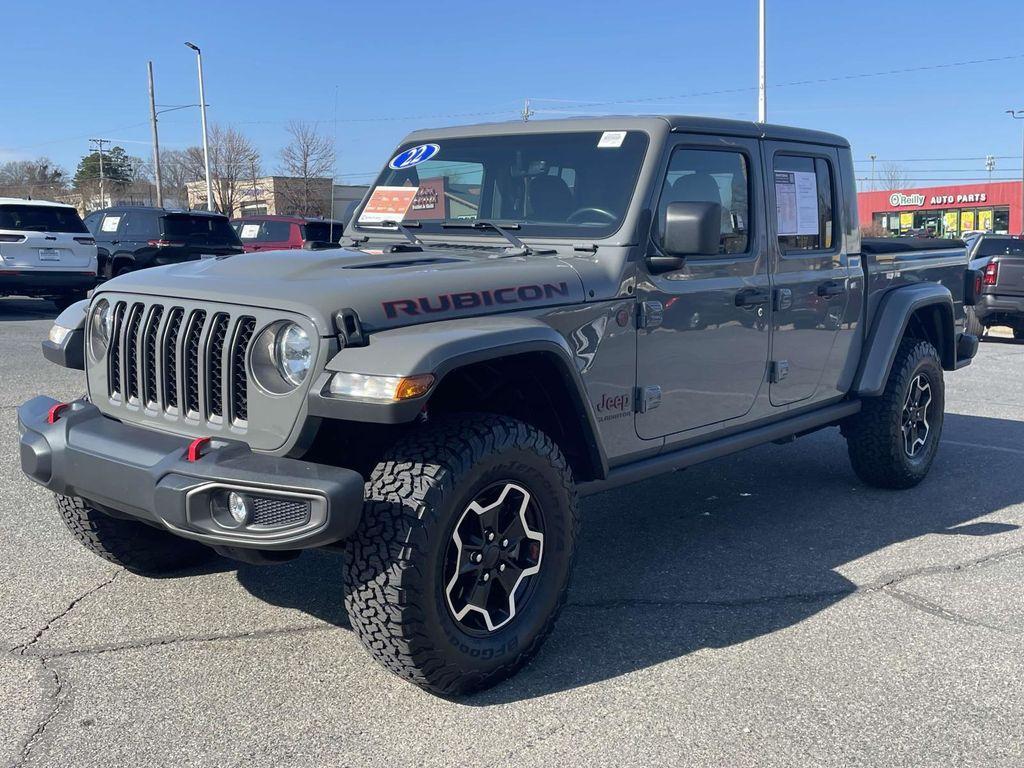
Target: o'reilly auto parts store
{"points": [[946, 211]]}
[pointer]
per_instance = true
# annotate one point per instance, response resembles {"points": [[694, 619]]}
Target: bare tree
{"points": [[32, 178], [177, 169], [308, 158], [895, 177], [232, 158]]}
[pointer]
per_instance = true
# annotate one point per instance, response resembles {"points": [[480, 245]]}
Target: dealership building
{"points": [[946, 211]]}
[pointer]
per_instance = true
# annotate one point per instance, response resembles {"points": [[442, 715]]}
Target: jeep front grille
{"points": [[188, 364]]}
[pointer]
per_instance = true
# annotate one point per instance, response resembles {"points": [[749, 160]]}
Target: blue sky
{"points": [[75, 71]]}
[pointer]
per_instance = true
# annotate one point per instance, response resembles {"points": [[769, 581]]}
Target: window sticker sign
{"points": [[796, 199], [388, 204], [110, 223], [413, 156], [250, 231], [611, 140]]}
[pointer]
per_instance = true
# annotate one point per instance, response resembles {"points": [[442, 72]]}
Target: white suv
{"points": [[45, 250]]}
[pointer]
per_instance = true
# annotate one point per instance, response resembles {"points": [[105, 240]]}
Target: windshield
{"points": [[41, 218], [208, 230], [548, 184]]}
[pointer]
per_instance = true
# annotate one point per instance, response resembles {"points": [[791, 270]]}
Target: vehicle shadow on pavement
{"points": [[13, 310], [717, 555]]}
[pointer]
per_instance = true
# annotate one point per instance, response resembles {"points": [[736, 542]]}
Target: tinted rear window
{"points": [[212, 230], [263, 231], [41, 218], [321, 231], [996, 247]]}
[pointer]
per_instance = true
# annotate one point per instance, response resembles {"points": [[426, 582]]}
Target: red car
{"points": [[275, 233]]}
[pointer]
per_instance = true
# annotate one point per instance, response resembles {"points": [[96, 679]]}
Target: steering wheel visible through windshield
{"points": [[569, 184]]}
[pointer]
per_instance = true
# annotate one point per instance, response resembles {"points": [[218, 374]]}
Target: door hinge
{"points": [[650, 314], [647, 398], [778, 370]]}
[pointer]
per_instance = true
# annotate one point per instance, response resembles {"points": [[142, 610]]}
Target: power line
{"points": [[939, 159]]}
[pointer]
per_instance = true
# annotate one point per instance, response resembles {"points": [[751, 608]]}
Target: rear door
{"points": [[810, 274], [45, 237]]}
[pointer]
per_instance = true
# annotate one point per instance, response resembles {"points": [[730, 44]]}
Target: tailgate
{"points": [[49, 250], [1010, 279]]}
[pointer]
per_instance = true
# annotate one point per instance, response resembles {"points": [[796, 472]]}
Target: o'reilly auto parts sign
{"points": [[916, 200]]}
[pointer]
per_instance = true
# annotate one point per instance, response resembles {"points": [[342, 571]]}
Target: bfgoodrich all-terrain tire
{"points": [[138, 547], [893, 440], [462, 560]]}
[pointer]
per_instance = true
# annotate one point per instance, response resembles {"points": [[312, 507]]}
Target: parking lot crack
{"points": [[156, 642], [24, 648], [54, 697], [934, 609]]}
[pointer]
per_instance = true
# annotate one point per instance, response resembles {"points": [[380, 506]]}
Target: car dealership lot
{"points": [[764, 609]]}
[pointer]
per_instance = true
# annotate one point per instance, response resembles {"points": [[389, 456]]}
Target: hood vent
{"points": [[403, 263]]}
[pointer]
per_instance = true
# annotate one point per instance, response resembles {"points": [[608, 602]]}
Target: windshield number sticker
{"points": [[413, 156], [611, 139], [388, 204]]}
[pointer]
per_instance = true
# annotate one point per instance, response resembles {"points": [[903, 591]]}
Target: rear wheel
{"points": [[893, 440], [462, 560], [138, 547], [65, 300], [972, 324]]}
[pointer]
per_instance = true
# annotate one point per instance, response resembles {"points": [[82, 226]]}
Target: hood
{"points": [[386, 289]]}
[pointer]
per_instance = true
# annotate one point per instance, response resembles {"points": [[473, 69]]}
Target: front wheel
{"points": [[893, 440], [462, 560]]}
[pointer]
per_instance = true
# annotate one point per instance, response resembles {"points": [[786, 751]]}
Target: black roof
{"points": [[185, 211]]}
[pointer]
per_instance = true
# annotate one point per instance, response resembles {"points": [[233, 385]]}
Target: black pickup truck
{"points": [[524, 314]]}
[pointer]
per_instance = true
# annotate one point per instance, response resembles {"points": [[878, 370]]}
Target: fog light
{"points": [[238, 506]]}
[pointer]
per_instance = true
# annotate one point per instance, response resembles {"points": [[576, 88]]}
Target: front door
{"points": [[810, 276], [703, 349]]}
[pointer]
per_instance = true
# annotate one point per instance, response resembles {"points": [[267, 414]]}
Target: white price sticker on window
{"points": [[611, 140], [110, 223], [250, 231]]}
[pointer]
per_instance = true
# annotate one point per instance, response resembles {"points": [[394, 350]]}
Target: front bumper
{"points": [[146, 475], [45, 282]]}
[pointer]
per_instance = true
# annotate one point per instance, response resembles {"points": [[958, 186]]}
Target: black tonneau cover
{"points": [[877, 245]]}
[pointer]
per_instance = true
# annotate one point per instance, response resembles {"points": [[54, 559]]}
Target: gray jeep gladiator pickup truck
{"points": [[525, 313]]}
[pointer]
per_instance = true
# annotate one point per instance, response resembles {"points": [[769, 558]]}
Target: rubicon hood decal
{"points": [[498, 297]]}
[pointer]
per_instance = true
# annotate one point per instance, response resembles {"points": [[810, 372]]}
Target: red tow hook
{"points": [[195, 448], [55, 411]]}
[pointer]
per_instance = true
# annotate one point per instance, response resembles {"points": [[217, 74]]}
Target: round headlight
{"points": [[293, 354], [99, 328]]}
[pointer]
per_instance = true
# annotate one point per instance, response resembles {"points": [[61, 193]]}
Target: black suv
{"points": [[136, 237]]}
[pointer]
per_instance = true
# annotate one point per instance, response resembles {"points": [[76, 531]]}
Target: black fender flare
{"points": [[441, 348], [891, 320]]}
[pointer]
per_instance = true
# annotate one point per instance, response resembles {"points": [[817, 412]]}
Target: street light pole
{"points": [[156, 140], [1018, 114], [206, 142], [762, 82], [873, 156]]}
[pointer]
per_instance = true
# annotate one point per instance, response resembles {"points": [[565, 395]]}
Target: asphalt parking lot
{"points": [[765, 609]]}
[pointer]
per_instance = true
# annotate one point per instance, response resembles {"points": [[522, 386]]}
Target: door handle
{"points": [[749, 297], [831, 288]]}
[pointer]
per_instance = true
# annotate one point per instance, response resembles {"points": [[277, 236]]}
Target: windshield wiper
{"points": [[521, 248], [404, 229]]}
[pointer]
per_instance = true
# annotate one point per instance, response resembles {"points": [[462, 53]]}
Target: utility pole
{"points": [[873, 156], [762, 74], [527, 112], [206, 142], [156, 140], [990, 165], [99, 144], [1018, 114]]}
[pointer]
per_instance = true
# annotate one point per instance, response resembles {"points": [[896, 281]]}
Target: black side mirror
{"points": [[693, 229]]}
